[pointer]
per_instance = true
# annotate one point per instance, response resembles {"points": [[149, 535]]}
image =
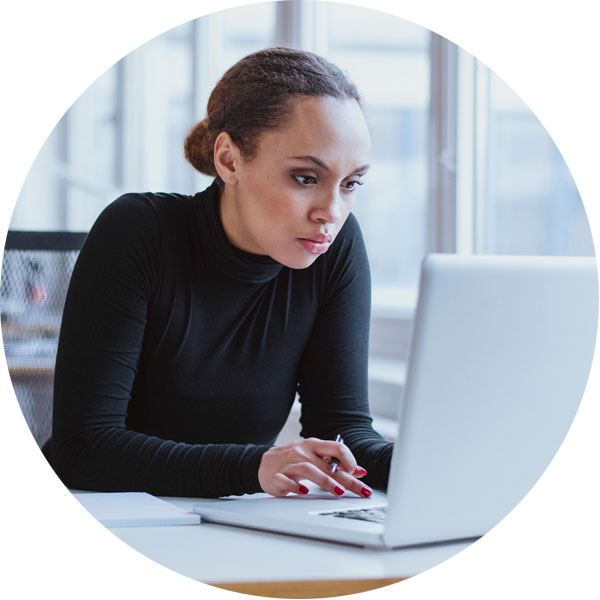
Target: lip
{"points": [[316, 245], [321, 238]]}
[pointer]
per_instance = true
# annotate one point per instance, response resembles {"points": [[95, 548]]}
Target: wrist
{"points": [[253, 468]]}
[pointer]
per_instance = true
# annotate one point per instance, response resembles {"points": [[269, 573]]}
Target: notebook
{"points": [[127, 509], [500, 354]]}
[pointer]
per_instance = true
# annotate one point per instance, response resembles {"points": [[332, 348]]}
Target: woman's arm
{"points": [[333, 385], [99, 350]]}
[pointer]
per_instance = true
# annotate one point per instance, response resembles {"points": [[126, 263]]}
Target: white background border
{"points": [[546, 51]]}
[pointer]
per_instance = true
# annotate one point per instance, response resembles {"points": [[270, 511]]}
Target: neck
{"points": [[228, 214]]}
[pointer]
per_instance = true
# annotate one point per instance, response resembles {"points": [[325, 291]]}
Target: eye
{"points": [[304, 179], [350, 186]]}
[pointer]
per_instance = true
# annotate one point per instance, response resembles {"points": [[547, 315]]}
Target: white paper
{"points": [[126, 509]]}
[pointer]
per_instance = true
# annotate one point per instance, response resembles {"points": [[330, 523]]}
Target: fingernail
{"points": [[302, 489], [366, 492], [360, 472], [339, 491]]}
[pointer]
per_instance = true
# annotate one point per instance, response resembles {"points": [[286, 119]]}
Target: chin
{"points": [[297, 262]]}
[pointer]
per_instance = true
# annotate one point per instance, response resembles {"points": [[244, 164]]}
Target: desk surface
{"points": [[225, 555]]}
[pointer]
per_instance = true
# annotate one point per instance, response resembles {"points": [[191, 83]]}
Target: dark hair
{"points": [[258, 93]]}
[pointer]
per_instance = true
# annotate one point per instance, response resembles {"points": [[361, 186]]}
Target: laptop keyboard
{"points": [[375, 514]]}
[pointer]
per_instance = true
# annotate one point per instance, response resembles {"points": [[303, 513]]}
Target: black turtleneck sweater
{"points": [[180, 355]]}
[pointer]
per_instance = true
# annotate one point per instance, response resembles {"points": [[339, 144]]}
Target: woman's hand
{"points": [[283, 467]]}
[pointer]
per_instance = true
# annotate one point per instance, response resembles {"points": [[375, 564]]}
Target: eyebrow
{"points": [[321, 164]]}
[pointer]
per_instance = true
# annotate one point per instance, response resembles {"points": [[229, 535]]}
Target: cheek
{"points": [[283, 206], [267, 194]]}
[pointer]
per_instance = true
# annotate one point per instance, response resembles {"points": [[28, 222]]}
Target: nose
{"points": [[326, 208]]}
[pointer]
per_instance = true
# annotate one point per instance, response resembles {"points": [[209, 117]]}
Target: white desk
{"points": [[234, 557]]}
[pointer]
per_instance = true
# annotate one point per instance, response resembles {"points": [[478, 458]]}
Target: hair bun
{"points": [[198, 149], [256, 95]]}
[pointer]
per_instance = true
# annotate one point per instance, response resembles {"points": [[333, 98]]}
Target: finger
{"points": [[359, 472], [283, 485], [348, 481], [307, 470], [323, 448], [353, 485]]}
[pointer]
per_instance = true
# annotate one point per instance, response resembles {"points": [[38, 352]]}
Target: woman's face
{"points": [[291, 199]]}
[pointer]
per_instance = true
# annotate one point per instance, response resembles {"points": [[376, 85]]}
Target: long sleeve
{"points": [[333, 384], [180, 355], [113, 288]]}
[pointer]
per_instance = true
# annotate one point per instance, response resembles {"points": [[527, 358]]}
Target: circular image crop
{"points": [[299, 279]]}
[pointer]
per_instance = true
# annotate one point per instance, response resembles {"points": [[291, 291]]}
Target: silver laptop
{"points": [[500, 355]]}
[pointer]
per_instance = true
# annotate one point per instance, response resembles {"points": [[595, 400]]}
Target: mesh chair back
{"points": [[36, 270]]}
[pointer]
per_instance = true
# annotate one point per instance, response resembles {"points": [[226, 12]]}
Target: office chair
{"points": [[36, 270]]}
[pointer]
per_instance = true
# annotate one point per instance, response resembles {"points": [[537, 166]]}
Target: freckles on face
{"points": [[294, 195]]}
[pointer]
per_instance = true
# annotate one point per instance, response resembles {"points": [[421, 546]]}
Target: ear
{"points": [[226, 157]]}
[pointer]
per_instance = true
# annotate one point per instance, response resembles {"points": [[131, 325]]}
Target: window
{"points": [[388, 59], [516, 193], [531, 204]]}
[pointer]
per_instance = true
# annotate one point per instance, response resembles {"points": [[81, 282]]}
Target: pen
{"points": [[334, 461]]}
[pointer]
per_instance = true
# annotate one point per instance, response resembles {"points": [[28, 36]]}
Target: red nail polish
{"points": [[339, 491], [366, 492], [302, 489], [360, 471]]}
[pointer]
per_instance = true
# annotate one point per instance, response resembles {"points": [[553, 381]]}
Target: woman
{"points": [[192, 321]]}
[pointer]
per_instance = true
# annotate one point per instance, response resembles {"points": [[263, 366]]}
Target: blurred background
{"points": [[459, 164]]}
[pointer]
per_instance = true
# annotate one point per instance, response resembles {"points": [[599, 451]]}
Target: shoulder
{"points": [[346, 265], [144, 207], [351, 234], [134, 234], [348, 249], [140, 216], [351, 227]]}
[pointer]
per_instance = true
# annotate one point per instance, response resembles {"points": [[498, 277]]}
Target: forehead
{"points": [[325, 127]]}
